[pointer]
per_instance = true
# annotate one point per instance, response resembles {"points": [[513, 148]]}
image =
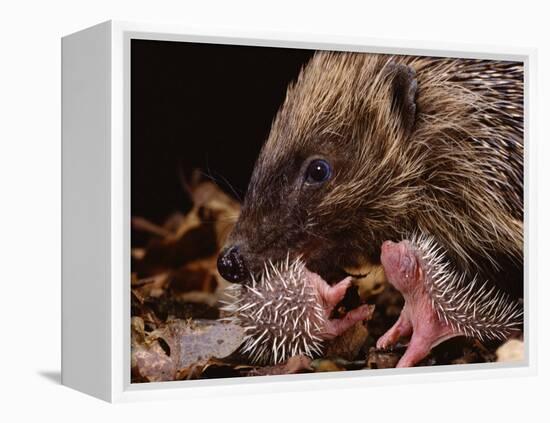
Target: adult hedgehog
{"points": [[368, 148]]}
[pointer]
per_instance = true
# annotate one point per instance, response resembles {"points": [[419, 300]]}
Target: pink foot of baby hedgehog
{"points": [[329, 297], [439, 304]]}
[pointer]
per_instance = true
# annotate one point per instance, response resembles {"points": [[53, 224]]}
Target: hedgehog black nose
{"points": [[231, 265]]}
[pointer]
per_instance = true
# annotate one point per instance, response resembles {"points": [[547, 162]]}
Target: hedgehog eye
{"points": [[318, 171]]}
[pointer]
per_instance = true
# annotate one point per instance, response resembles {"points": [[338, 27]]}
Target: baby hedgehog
{"points": [[439, 302], [286, 312]]}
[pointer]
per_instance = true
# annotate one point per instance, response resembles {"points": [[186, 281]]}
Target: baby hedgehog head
{"points": [[280, 312], [468, 306]]}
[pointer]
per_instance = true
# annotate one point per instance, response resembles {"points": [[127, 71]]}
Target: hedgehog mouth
{"points": [[332, 273], [356, 275], [331, 270]]}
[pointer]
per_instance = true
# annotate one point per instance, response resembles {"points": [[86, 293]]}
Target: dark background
{"points": [[200, 106]]}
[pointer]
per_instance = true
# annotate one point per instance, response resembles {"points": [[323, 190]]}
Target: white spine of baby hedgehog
{"points": [[469, 307], [285, 312]]}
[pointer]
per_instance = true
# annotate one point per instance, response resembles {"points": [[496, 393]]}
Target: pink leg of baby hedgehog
{"points": [[329, 297], [418, 318]]}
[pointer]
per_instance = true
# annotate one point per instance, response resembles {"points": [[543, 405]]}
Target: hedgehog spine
{"points": [[467, 306], [274, 333]]}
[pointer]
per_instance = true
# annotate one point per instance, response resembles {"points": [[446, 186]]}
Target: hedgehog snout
{"points": [[231, 265], [390, 255]]}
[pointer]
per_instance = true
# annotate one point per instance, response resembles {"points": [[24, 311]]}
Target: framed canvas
{"points": [[263, 212]]}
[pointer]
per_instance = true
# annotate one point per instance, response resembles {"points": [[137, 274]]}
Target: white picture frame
{"points": [[96, 214]]}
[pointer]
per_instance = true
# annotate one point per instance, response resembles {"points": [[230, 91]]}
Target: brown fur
{"points": [[448, 161]]}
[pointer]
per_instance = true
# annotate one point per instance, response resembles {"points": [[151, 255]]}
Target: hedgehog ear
{"points": [[403, 93]]}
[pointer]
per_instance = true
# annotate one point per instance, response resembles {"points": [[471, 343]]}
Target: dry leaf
{"points": [[295, 364], [348, 344], [512, 350], [179, 345], [326, 365], [371, 283], [199, 340], [378, 359]]}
